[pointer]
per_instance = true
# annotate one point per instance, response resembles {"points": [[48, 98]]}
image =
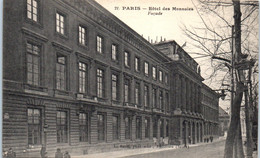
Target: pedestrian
{"points": [[207, 140], [211, 139], [66, 155], [11, 153], [58, 154], [43, 151], [189, 141]]}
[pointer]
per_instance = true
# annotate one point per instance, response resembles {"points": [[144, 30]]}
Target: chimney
{"points": [[161, 39], [149, 39]]}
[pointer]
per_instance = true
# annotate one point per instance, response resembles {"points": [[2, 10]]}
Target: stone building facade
{"points": [[75, 77], [223, 122]]}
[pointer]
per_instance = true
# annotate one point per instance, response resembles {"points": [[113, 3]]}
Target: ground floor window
{"points": [[101, 127], [155, 128], [83, 127], [161, 127], [138, 128], [147, 127], [62, 127], [34, 126], [127, 127], [115, 127]]}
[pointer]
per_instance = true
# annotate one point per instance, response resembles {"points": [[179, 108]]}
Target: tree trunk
{"points": [[249, 141], [233, 127], [240, 153]]}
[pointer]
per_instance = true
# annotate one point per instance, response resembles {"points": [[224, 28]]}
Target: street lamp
{"points": [[222, 95]]}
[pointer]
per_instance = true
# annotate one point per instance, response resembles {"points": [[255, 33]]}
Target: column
{"points": [[178, 91], [183, 93], [192, 96], [196, 98], [187, 95], [199, 100]]}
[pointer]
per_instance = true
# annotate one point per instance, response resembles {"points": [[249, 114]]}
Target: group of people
{"points": [[58, 153], [208, 139], [9, 154]]}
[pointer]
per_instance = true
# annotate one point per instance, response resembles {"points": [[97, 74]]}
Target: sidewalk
{"points": [[130, 152]]}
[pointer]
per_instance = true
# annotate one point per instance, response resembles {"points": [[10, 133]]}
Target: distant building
{"points": [[75, 77], [223, 122]]}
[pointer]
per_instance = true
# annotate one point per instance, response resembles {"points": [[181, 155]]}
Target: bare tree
{"points": [[213, 39]]}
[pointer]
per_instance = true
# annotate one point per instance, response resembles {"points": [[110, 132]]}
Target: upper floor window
{"points": [[146, 68], [82, 35], [167, 101], [146, 96], [99, 44], [100, 83], [114, 52], [33, 10], [166, 78], [60, 23], [114, 87], [154, 73], [34, 126], [83, 127], [61, 72], [161, 99], [137, 64], [62, 127], [82, 77], [127, 59], [154, 97], [33, 64], [137, 93], [160, 76], [126, 90]]}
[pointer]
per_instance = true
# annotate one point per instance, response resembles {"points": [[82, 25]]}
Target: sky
{"points": [[141, 16]]}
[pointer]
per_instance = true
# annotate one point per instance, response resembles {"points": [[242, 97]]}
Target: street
{"points": [[209, 150]]}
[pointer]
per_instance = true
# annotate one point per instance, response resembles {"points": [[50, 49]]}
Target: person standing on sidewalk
{"points": [[66, 155], [58, 154]]}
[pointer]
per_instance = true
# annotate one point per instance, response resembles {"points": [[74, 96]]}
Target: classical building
{"points": [[75, 77], [223, 122], [210, 110]]}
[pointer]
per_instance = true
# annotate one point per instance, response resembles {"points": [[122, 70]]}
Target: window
{"points": [[138, 128], [154, 97], [154, 73], [60, 23], [127, 127], [34, 126], [155, 128], [146, 96], [33, 64], [167, 101], [137, 93], [100, 83], [82, 35], [127, 59], [160, 99], [161, 128], [115, 128], [166, 78], [114, 53], [160, 76], [62, 127], [126, 90], [32, 10], [61, 72], [147, 127], [167, 128], [101, 127], [137, 64], [146, 68], [83, 127], [99, 44], [82, 77], [114, 87]]}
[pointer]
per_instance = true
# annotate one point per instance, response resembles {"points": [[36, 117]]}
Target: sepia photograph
{"points": [[130, 78]]}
